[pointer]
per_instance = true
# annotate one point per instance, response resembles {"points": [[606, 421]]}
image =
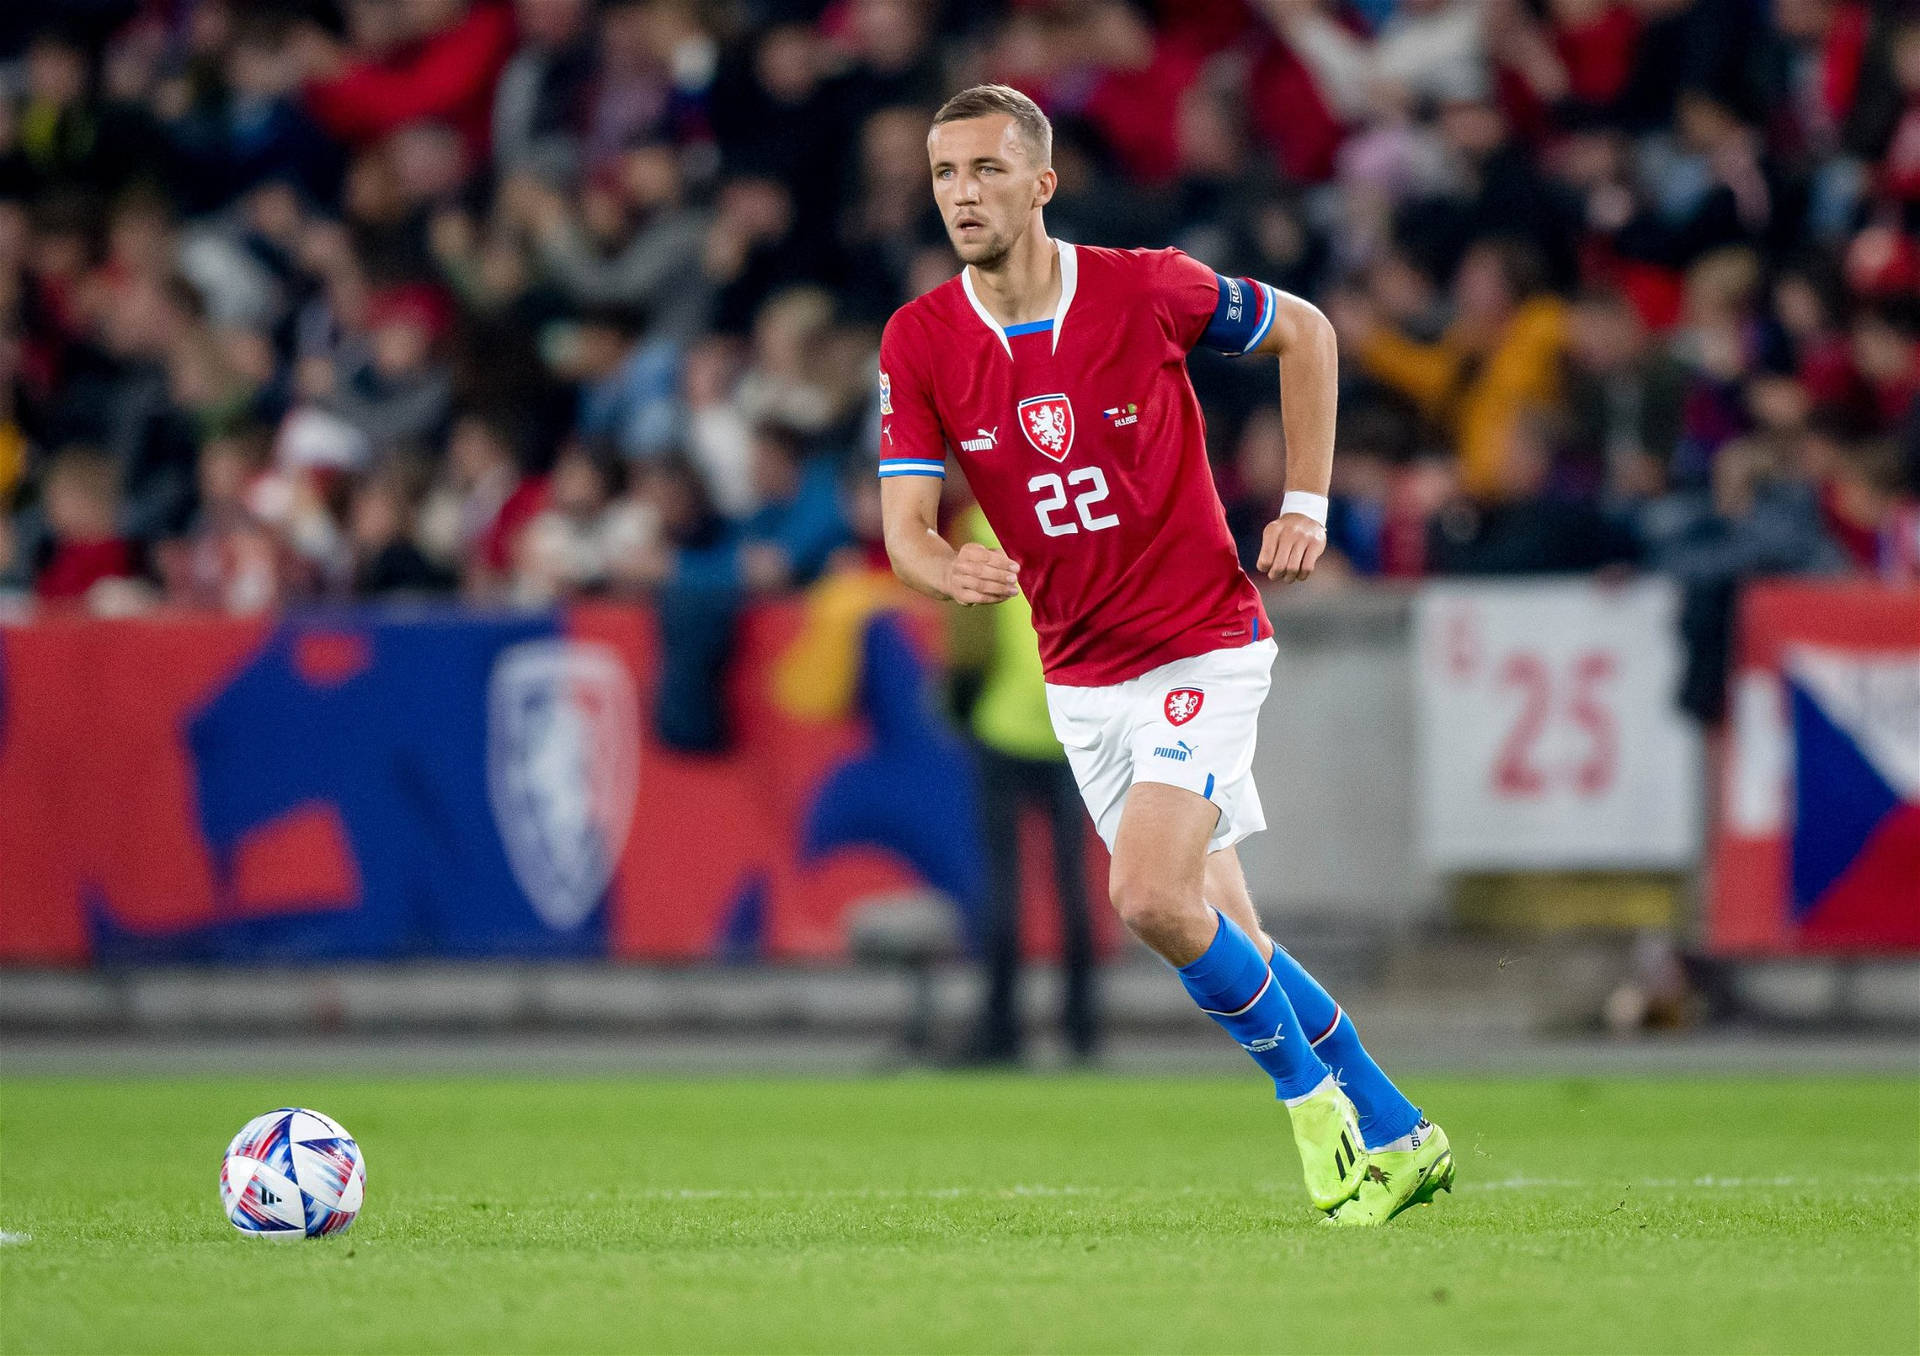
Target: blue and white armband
{"points": [[1241, 317]]}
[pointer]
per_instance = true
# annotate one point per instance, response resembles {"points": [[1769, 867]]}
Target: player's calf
{"points": [[1232, 984], [1159, 866]]}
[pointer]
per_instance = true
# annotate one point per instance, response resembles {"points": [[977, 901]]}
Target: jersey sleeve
{"points": [[1184, 292], [1204, 309], [911, 443]]}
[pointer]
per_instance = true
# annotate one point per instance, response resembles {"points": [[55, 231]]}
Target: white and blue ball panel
{"points": [[292, 1173]]}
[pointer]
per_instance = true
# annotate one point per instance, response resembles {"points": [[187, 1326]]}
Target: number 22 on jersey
{"points": [[1083, 503]]}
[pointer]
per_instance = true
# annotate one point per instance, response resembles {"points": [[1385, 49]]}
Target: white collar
{"points": [[1069, 279]]}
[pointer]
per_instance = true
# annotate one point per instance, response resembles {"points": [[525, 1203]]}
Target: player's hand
{"points": [[1291, 546], [978, 574]]}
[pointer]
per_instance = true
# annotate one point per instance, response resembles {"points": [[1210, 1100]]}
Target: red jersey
{"points": [[1083, 442]]}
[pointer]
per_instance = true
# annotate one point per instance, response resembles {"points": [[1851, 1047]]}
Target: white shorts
{"points": [[1190, 724]]}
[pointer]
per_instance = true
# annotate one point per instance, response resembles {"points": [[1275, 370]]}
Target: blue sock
{"points": [[1385, 1114], [1233, 986]]}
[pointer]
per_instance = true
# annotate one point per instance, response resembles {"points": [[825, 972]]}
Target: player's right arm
{"points": [[912, 473], [924, 560]]}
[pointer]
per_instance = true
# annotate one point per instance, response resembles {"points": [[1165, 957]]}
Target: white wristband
{"points": [[1306, 503]]}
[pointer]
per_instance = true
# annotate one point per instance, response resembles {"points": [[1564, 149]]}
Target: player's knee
{"points": [[1152, 907]]}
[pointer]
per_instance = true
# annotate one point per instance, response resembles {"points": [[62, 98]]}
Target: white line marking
{"points": [[1709, 1181], [863, 1193], [7, 1238], [1042, 1191]]}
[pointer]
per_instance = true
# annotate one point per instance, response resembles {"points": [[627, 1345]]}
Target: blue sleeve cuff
{"points": [[1241, 317]]}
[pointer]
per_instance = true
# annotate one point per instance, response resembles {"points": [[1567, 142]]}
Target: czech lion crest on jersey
{"points": [[1048, 423], [1183, 704]]}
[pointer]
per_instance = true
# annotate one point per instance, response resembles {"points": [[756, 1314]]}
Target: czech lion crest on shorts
{"points": [[1048, 423], [1183, 704]]}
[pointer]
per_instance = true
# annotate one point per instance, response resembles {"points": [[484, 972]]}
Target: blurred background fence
{"points": [[407, 783]]}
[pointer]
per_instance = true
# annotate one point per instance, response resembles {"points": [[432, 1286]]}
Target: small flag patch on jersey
{"points": [[1122, 415]]}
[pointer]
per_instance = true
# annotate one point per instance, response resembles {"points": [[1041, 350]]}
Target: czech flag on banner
{"points": [[1856, 785], [1817, 839]]}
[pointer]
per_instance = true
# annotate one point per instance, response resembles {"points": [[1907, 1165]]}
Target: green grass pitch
{"points": [[966, 1214]]}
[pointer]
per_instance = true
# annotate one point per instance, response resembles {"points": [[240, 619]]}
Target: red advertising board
{"points": [[373, 784]]}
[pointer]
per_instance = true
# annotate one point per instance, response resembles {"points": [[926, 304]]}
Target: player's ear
{"points": [[1043, 187]]}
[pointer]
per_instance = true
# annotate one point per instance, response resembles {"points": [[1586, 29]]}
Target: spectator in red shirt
{"points": [[1885, 340], [82, 502], [1595, 41], [475, 516], [434, 59]]}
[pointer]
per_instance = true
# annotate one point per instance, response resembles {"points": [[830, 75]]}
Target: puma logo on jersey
{"points": [[986, 442]]}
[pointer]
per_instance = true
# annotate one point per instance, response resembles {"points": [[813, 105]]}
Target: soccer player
{"points": [[1056, 374]]}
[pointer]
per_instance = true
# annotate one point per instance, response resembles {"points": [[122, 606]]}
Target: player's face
{"points": [[987, 184]]}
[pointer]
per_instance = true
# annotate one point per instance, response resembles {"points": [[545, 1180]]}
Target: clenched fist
{"points": [[1291, 546], [979, 574]]}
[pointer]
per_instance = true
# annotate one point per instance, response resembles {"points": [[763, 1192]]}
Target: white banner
{"points": [[1549, 736]]}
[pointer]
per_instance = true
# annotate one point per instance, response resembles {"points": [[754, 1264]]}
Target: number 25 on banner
{"points": [[1577, 700], [1548, 731]]}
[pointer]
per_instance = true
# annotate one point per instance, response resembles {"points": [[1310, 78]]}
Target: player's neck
{"points": [[1026, 284]]}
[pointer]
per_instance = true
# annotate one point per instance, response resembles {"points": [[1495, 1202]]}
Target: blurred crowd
{"points": [[520, 301]]}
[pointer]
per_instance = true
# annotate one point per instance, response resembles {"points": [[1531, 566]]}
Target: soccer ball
{"points": [[292, 1173]]}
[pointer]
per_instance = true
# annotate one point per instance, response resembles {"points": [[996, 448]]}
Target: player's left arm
{"points": [[1303, 340], [1204, 309]]}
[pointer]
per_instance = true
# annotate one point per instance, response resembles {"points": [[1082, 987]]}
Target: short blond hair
{"points": [[985, 100]]}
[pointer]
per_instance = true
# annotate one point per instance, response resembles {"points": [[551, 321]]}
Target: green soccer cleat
{"points": [[1327, 1130], [1400, 1180]]}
